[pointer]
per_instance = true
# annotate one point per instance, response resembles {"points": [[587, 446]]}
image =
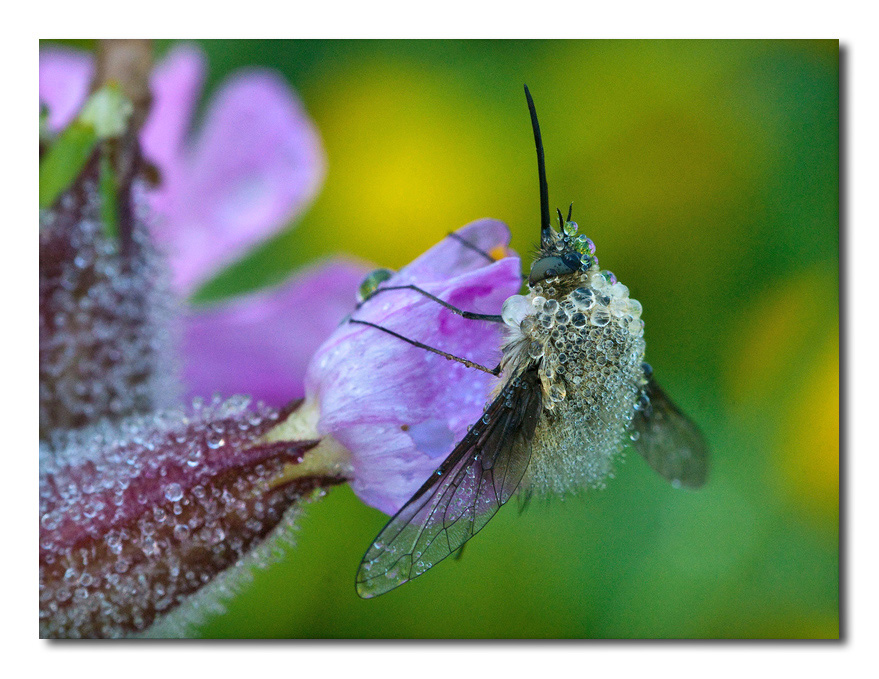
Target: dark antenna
{"points": [[545, 229]]}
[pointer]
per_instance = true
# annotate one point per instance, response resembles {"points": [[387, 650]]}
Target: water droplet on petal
{"points": [[371, 282]]}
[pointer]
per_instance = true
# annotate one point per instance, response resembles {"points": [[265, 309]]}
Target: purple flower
{"points": [[397, 408], [142, 504], [262, 342], [139, 514], [254, 163]]}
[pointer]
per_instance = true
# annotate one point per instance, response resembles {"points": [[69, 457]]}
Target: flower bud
{"points": [[106, 349], [135, 518]]}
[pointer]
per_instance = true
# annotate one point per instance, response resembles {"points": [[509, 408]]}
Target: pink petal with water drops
{"points": [[65, 77], [255, 163], [400, 409], [260, 343]]}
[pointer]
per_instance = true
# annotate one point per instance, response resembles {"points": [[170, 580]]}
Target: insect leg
{"points": [[482, 252], [451, 357], [494, 318], [468, 244]]}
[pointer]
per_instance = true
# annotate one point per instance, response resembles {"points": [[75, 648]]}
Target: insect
{"points": [[574, 390]]}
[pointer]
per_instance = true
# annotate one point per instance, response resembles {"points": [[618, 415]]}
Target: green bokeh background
{"points": [[707, 174]]}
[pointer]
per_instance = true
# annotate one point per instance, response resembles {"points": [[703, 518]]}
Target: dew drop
{"points": [[515, 309], [600, 318], [371, 282], [583, 298], [584, 244], [193, 457], [173, 492], [635, 307], [215, 440], [535, 350]]}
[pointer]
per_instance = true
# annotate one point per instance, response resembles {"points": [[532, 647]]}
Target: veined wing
{"points": [[670, 442], [475, 480]]}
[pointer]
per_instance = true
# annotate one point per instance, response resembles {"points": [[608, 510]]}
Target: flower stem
{"points": [[125, 64]]}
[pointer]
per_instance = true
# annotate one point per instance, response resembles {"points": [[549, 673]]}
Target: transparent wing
{"points": [[669, 441], [478, 476]]}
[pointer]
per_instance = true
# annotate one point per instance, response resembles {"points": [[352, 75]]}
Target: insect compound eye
{"points": [[572, 261], [548, 267]]}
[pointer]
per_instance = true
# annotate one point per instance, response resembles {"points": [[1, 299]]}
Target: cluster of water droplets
{"points": [[588, 335], [137, 516], [212, 600], [106, 313]]}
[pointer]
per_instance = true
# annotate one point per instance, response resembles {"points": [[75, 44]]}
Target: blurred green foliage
{"points": [[707, 173], [64, 160]]}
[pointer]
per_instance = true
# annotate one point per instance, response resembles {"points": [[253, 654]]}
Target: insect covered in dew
{"points": [[574, 391]]}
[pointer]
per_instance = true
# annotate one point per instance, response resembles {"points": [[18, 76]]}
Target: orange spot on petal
{"points": [[499, 252]]}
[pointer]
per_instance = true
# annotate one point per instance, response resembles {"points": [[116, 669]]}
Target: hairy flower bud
{"points": [[105, 313], [136, 517]]}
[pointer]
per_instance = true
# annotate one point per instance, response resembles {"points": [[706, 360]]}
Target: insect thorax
{"points": [[587, 336]]}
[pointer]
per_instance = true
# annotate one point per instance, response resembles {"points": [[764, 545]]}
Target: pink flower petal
{"points": [[400, 409], [65, 77], [176, 84], [256, 162], [260, 344], [450, 258]]}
